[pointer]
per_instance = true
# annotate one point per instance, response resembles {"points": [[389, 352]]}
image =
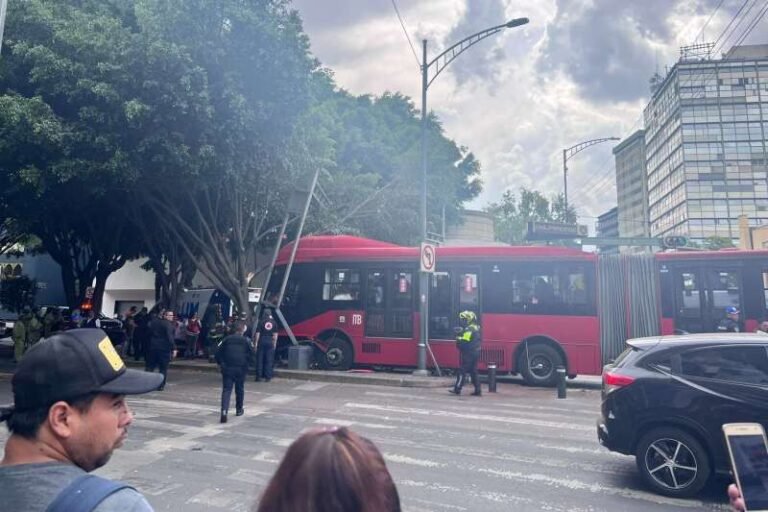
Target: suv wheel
{"points": [[672, 462]]}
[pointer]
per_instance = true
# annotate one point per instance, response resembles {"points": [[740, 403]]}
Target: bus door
{"points": [[468, 285], [389, 303], [450, 293], [702, 291]]}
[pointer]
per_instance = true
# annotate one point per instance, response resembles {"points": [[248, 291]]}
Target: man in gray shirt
{"points": [[69, 415]]}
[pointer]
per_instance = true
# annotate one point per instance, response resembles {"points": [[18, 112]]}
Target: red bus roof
{"points": [[723, 254], [352, 248]]}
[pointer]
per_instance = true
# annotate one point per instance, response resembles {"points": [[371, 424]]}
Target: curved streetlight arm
{"points": [[581, 146], [568, 153], [447, 56]]}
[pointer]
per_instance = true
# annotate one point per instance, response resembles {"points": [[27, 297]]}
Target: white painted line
{"points": [[279, 399], [311, 386], [475, 417], [593, 487], [404, 459], [334, 422]]}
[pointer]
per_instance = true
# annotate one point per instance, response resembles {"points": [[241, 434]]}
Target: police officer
{"points": [[265, 346], [468, 342], [233, 355], [731, 321]]}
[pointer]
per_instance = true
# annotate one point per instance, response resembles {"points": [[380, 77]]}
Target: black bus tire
{"points": [[538, 365], [339, 355]]}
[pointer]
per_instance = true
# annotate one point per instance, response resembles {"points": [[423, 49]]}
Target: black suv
{"points": [[665, 400]]}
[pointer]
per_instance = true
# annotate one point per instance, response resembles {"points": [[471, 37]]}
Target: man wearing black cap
{"points": [[69, 415]]}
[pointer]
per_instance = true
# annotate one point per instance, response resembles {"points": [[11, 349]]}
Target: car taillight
{"points": [[614, 381]]}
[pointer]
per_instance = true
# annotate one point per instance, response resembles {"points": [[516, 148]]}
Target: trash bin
{"points": [[299, 357]]}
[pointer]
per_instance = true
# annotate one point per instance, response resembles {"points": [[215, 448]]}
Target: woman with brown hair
{"points": [[331, 470]]}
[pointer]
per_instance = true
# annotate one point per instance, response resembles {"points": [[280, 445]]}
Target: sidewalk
{"points": [[403, 379]]}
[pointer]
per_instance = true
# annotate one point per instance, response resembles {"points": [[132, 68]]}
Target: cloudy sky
{"points": [[578, 71]]}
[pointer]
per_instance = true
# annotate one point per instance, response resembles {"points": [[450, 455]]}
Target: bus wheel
{"points": [[339, 354], [538, 363]]}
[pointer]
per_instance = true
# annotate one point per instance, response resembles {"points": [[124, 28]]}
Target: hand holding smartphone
{"points": [[748, 450]]}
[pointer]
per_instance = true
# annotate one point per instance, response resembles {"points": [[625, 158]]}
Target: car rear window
{"points": [[629, 355]]}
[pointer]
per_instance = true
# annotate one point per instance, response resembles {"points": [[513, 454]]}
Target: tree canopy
{"points": [[177, 130], [513, 212]]}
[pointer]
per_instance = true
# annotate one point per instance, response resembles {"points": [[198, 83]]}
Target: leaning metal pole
{"points": [[423, 276], [264, 289], [293, 257]]}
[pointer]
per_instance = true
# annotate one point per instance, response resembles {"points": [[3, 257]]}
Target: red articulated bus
{"points": [[356, 301]]}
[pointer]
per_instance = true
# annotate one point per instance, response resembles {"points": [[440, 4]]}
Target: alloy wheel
{"points": [[671, 463]]}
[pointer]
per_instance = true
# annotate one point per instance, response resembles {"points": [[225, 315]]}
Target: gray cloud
{"points": [[607, 47], [340, 13], [481, 61]]}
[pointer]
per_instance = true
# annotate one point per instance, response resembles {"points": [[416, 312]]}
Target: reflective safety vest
{"points": [[469, 334]]}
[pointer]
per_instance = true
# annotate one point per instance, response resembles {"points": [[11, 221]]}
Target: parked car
{"points": [[665, 400], [6, 328]]}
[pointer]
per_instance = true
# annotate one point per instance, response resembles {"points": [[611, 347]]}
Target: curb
{"points": [[371, 379]]}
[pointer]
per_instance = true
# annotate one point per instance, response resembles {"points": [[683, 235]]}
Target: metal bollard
{"points": [[561, 390], [491, 377]]}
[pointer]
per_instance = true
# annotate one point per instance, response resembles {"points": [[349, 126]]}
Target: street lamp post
{"points": [[437, 65], [570, 153]]}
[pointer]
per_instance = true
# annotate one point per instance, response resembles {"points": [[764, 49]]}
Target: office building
{"points": [[632, 189], [608, 227], [706, 145]]}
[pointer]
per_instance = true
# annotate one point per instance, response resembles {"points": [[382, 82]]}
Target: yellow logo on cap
{"points": [[111, 354]]}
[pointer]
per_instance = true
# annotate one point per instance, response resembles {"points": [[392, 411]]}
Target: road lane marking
{"points": [[404, 459], [474, 417], [279, 399], [311, 386]]}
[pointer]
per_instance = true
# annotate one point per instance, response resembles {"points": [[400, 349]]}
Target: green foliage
{"points": [[17, 293], [712, 243], [513, 213]]}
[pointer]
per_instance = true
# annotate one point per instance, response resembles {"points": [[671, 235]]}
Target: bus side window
{"points": [[341, 284]]}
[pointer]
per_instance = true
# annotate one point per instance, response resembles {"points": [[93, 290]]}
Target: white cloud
{"points": [[578, 71]]}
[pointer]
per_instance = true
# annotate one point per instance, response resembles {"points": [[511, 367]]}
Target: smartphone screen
{"points": [[751, 459]]}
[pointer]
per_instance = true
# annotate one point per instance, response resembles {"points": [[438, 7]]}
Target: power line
{"points": [[405, 31], [735, 16], [708, 20], [735, 27], [758, 17]]}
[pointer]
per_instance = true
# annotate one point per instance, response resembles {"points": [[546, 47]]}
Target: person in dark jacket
{"points": [[731, 321], [141, 334], [234, 354], [265, 346], [468, 342], [161, 345]]}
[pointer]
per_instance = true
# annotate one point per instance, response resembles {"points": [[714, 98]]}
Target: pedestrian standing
{"points": [[193, 333], [160, 344], [141, 334], [233, 356], [69, 414], [265, 346], [468, 342], [34, 327], [129, 324], [19, 335]]}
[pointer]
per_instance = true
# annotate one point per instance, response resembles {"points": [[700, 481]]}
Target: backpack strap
{"points": [[84, 494]]}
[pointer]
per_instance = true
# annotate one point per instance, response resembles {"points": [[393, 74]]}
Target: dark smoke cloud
{"points": [[481, 60], [605, 46]]}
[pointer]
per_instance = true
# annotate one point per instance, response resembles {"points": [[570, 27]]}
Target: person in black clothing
{"points": [[161, 345], [265, 346], [731, 321], [233, 356], [140, 338]]}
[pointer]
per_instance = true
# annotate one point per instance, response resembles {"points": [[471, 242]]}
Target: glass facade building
{"points": [[632, 189], [706, 154]]}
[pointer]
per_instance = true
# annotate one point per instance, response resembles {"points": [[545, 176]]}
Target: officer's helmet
{"points": [[467, 317]]}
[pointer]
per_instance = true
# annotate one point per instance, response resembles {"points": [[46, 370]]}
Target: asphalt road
{"points": [[520, 449]]}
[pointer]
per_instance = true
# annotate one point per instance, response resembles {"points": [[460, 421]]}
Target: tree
{"points": [[712, 243], [17, 293], [512, 213]]}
